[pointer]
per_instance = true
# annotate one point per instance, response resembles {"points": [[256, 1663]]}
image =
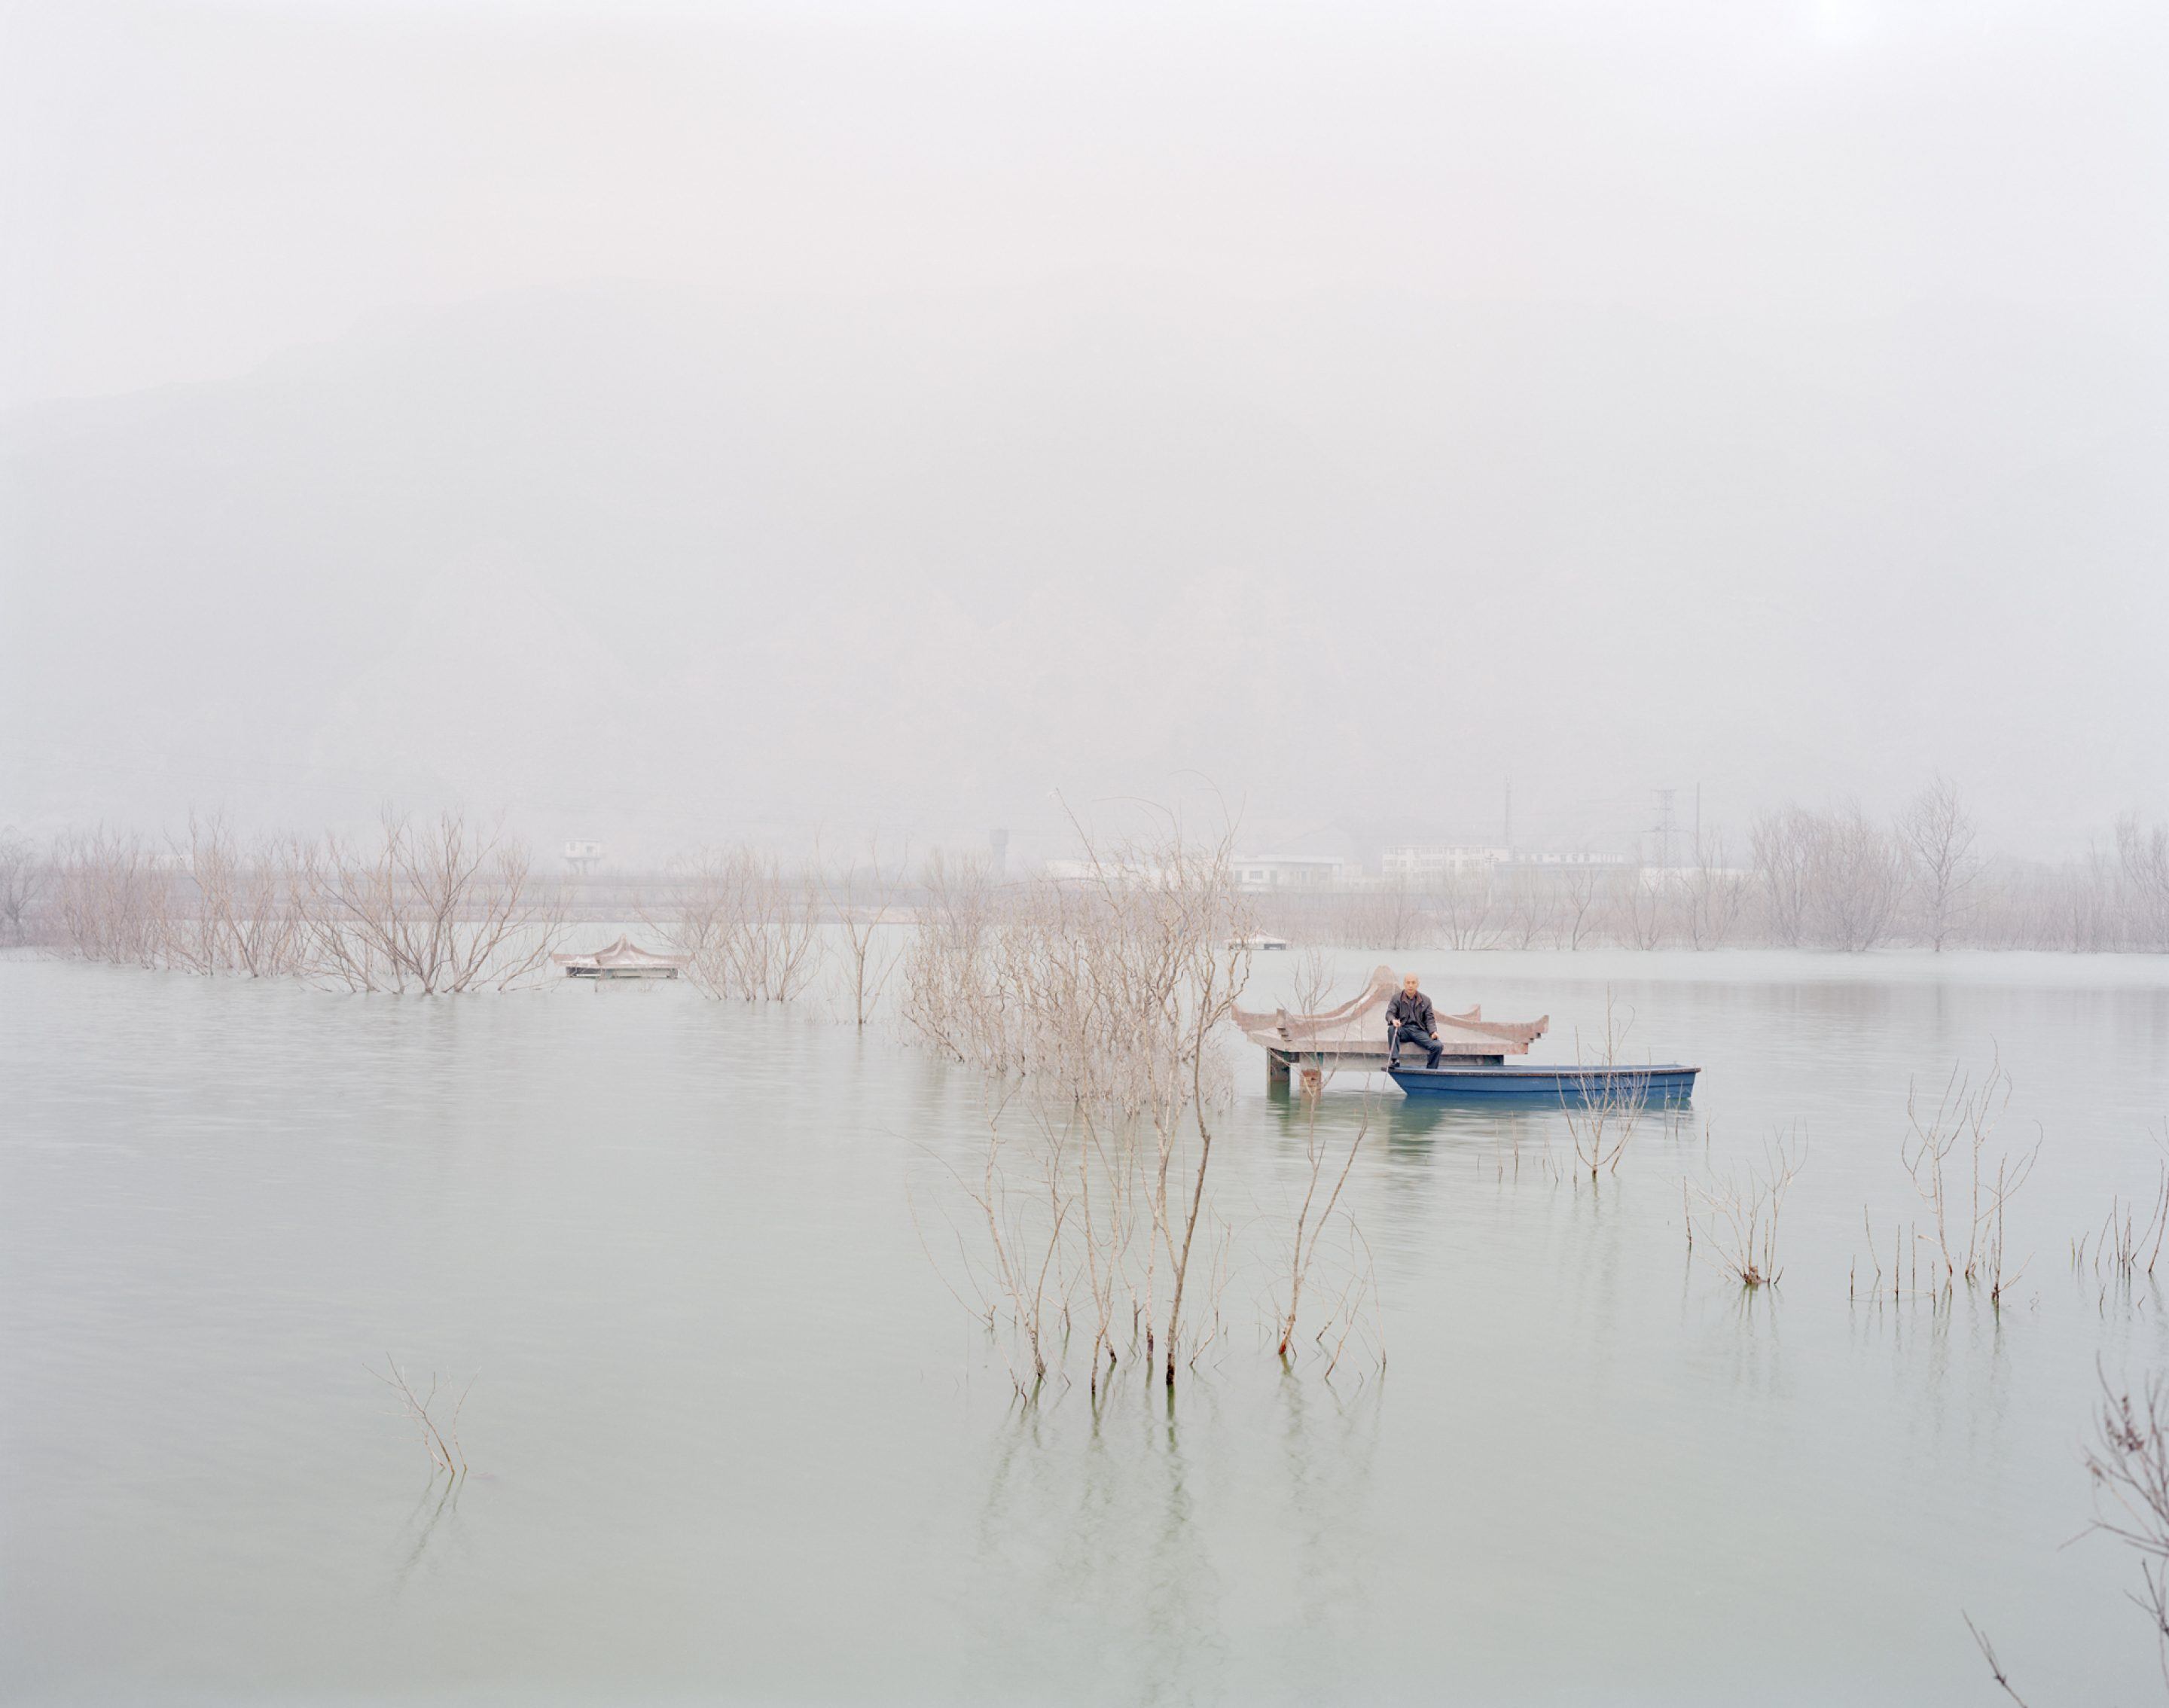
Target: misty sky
{"points": [[678, 421]]}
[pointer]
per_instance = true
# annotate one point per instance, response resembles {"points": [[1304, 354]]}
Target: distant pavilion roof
{"points": [[623, 958]]}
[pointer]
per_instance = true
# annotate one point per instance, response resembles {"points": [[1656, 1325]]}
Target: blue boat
{"points": [[1653, 1083]]}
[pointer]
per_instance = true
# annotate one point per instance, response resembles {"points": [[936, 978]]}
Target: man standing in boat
{"points": [[1409, 1019]]}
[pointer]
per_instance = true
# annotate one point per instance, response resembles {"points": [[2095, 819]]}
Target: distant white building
{"points": [[1258, 875], [1577, 857], [1687, 877], [1432, 859], [582, 856]]}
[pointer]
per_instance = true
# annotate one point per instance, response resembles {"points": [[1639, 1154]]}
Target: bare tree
{"points": [[862, 921], [1531, 909], [1859, 879], [1581, 893], [1715, 898], [1644, 902], [1783, 845], [441, 907], [1833, 878], [2142, 856], [1938, 838], [23, 877], [1467, 907], [1392, 916]]}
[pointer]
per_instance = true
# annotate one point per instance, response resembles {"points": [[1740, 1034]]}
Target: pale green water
{"points": [[733, 1441]]}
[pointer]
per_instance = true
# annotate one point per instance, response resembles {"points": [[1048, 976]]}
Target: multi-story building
{"points": [[1257, 875], [1432, 860]]}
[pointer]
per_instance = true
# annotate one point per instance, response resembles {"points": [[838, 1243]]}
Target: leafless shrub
{"points": [[1323, 1170], [1738, 1218], [1093, 1010], [946, 1004], [2125, 1245], [114, 898], [1025, 1234], [748, 929], [2127, 1462], [1602, 1123], [438, 1425], [237, 911], [1967, 1233]]}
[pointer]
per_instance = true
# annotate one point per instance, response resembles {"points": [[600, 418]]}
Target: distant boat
{"points": [[1649, 1083], [1257, 943], [622, 959]]}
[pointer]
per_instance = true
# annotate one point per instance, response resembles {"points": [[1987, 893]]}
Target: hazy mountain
{"points": [[650, 569]]}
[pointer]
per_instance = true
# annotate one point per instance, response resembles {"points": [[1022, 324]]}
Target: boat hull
{"points": [[1656, 1082]]}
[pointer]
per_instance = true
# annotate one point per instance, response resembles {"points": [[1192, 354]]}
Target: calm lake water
{"points": [[733, 1439]]}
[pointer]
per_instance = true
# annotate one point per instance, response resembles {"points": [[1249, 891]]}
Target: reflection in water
{"points": [[440, 1502], [1329, 1440], [1115, 1516], [1088, 1517]]}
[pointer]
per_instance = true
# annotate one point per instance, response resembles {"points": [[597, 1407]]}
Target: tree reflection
{"points": [[1151, 1546]]}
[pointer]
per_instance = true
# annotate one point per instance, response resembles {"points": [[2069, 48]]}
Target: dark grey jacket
{"points": [[1406, 1010]]}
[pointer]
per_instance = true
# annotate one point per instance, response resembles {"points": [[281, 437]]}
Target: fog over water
{"points": [[602, 609], [666, 423]]}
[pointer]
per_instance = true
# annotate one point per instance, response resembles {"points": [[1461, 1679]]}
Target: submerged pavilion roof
{"points": [[1357, 1027], [624, 958]]}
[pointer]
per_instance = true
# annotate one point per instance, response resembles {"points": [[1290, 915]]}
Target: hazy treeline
{"points": [[449, 904], [438, 907], [1801, 878]]}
